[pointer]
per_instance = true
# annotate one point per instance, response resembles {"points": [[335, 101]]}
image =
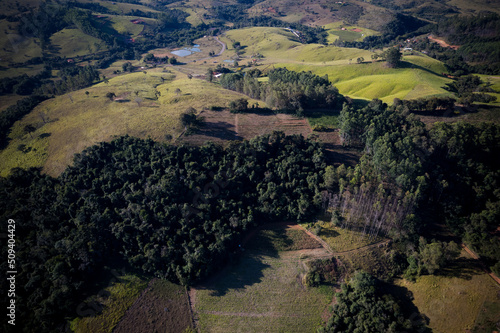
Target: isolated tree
{"points": [[393, 57], [177, 91], [111, 95], [28, 129], [210, 75], [43, 116], [238, 105], [190, 76], [87, 93], [189, 119], [360, 60], [138, 100]]}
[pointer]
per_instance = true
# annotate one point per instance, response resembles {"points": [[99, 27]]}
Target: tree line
{"points": [[14, 113]]}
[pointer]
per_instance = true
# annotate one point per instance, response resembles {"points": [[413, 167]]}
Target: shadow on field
{"points": [[463, 268], [329, 233], [220, 129], [404, 297], [406, 64], [247, 269]]}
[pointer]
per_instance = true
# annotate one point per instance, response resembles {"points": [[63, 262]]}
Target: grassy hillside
{"points": [[78, 120], [376, 80], [270, 42], [123, 26], [463, 290], [14, 47], [72, 43], [278, 44]]}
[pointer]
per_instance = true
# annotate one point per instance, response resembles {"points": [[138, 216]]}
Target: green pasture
{"points": [[456, 299], [73, 43], [375, 80], [124, 26], [328, 118], [262, 292]]}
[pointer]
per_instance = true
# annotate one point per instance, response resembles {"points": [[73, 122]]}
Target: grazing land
{"points": [[461, 289], [77, 120], [263, 290]]}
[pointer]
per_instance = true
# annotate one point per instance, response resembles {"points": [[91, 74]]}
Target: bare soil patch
{"points": [[443, 43], [163, 307], [223, 126], [251, 125]]}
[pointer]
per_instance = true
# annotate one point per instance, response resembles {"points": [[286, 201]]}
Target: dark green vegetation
{"points": [[15, 112], [166, 211], [287, 91], [478, 37], [363, 307], [176, 212], [450, 172]]}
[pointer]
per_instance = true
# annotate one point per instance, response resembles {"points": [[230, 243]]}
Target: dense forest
{"points": [[287, 91], [166, 211], [363, 307], [450, 172]]}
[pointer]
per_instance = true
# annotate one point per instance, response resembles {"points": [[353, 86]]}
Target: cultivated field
{"points": [[263, 291], [162, 307]]}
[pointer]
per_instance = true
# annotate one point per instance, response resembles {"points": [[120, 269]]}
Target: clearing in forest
{"points": [[263, 291]]}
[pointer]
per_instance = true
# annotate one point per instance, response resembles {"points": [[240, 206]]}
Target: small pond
{"points": [[187, 51]]}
